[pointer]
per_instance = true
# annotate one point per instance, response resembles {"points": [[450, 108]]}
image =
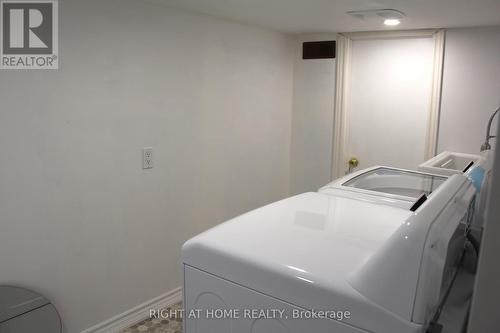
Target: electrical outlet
{"points": [[147, 158]]}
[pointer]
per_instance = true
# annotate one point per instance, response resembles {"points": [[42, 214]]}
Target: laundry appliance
{"points": [[376, 251]]}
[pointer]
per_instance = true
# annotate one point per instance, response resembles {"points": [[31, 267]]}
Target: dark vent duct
{"points": [[318, 50]]}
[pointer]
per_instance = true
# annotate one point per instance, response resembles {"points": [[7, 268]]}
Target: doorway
{"points": [[387, 99]]}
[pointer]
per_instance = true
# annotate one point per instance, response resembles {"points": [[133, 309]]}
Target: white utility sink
{"points": [[448, 163]]}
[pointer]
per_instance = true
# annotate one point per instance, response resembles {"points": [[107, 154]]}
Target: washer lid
{"points": [[387, 185]]}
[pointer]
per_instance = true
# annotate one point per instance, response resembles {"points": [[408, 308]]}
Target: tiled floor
{"points": [[157, 325]]}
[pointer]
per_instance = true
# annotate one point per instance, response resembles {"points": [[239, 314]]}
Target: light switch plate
{"points": [[147, 158]]}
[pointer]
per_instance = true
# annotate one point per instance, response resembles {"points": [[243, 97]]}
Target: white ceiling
{"points": [[302, 16]]}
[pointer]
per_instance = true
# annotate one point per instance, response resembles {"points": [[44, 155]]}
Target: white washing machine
{"points": [[351, 258]]}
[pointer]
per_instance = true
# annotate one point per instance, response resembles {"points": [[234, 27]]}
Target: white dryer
{"points": [[350, 258]]}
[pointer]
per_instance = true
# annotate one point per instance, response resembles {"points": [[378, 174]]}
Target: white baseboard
{"points": [[135, 315]]}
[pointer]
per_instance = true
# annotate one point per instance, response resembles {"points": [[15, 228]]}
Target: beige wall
{"points": [[471, 87], [81, 222], [312, 129]]}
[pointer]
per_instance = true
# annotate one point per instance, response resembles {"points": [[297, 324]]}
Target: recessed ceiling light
{"points": [[392, 22]]}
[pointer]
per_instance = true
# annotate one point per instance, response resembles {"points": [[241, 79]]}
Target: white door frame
{"points": [[343, 82]]}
